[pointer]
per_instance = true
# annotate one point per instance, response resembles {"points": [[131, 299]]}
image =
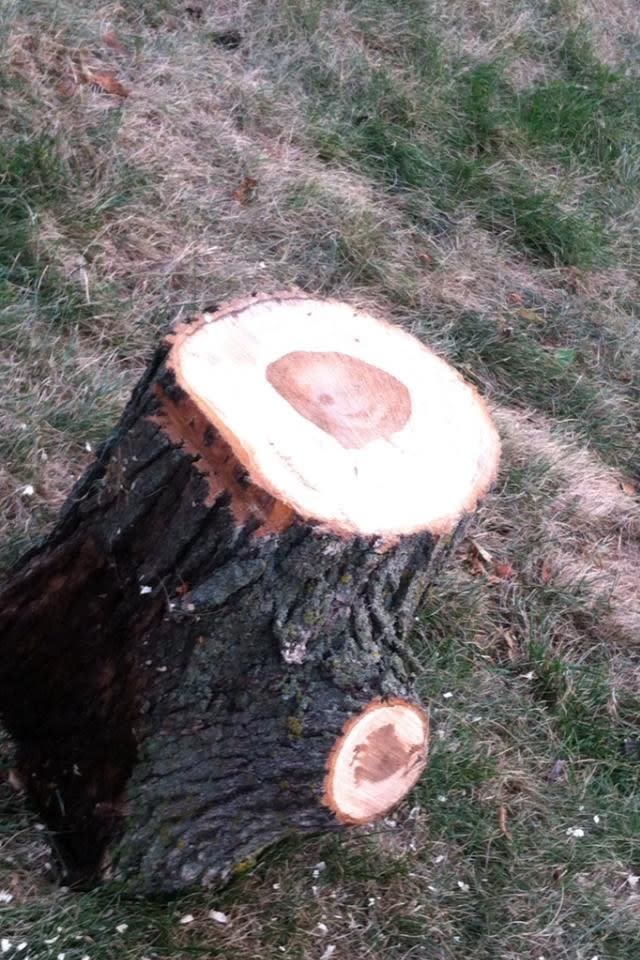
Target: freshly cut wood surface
{"points": [[345, 418], [377, 760]]}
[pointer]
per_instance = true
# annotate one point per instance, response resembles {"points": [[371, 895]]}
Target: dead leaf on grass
{"points": [[545, 572], [530, 315], [245, 192], [481, 551], [106, 81], [15, 780], [66, 88], [502, 821], [512, 646], [111, 39], [478, 558], [478, 569], [504, 571], [629, 488]]}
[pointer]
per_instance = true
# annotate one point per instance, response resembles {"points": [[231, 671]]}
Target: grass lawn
{"points": [[472, 171]]}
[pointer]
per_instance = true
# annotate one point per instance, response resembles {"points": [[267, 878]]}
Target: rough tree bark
{"points": [[209, 650]]}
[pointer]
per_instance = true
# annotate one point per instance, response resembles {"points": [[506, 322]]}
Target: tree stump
{"points": [[209, 651]]}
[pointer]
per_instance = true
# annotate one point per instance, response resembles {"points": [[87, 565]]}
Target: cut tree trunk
{"points": [[209, 651]]}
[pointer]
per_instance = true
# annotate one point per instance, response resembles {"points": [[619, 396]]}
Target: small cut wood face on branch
{"points": [[378, 758], [209, 650]]}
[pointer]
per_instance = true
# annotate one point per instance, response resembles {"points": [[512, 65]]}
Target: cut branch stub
{"points": [[377, 760], [208, 652]]}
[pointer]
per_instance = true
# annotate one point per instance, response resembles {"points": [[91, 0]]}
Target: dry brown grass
{"points": [[589, 530], [483, 30], [615, 26]]}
